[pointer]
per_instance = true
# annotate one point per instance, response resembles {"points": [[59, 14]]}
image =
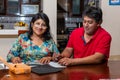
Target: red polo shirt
{"points": [[99, 43]]}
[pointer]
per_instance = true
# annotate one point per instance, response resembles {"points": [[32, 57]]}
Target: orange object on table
{"points": [[18, 68]]}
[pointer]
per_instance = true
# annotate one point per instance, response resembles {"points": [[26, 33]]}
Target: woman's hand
{"points": [[16, 60], [45, 60]]}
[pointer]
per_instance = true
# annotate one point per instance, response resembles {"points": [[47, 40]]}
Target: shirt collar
{"points": [[96, 33]]}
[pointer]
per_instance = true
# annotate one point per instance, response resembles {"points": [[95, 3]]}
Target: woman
{"points": [[36, 44]]}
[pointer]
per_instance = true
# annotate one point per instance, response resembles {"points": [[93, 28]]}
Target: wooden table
{"points": [[109, 71]]}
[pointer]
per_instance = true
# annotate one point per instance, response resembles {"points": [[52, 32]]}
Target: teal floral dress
{"points": [[28, 51]]}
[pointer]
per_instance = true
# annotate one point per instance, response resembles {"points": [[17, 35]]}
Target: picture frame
{"points": [[114, 2], [29, 9]]}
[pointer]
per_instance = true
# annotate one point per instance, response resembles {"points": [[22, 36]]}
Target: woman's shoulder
{"points": [[23, 36], [51, 41]]}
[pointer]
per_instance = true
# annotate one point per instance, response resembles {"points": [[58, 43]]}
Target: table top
{"points": [[102, 71]]}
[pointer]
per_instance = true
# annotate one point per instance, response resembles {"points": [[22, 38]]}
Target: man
{"points": [[89, 44]]}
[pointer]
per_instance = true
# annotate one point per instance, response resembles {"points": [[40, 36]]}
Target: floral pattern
{"points": [[28, 51]]}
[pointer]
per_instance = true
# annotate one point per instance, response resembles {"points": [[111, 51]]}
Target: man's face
{"points": [[90, 25]]}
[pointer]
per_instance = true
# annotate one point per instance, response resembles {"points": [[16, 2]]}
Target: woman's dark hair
{"points": [[44, 17], [94, 13]]}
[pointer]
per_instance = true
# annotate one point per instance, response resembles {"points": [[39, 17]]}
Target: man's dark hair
{"points": [[94, 13]]}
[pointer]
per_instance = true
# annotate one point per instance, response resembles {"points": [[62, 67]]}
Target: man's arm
{"points": [[93, 59], [67, 52]]}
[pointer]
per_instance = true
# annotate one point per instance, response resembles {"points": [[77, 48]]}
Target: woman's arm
{"points": [[13, 55]]}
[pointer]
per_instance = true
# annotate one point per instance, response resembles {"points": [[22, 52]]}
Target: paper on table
{"points": [[52, 64], [56, 65], [1, 66]]}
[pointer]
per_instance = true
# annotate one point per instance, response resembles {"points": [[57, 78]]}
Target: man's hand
{"points": [[65, 61], [56, 57]]}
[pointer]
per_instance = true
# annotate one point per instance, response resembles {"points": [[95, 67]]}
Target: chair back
{"points": [[22, 32]]}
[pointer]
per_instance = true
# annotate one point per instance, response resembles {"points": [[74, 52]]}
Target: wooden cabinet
{"points": [[2, 7], [76, 7], [20, 7], [13, 7], [71, 8]]}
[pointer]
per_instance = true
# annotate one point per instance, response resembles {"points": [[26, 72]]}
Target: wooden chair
{"points": [[21, 32]]}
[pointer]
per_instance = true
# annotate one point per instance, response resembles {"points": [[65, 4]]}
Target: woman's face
{"points": [[90, 25], [39, 27]]}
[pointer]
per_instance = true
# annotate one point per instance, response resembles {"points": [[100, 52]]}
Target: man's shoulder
{"points": [[78, 30], [105, 32]]}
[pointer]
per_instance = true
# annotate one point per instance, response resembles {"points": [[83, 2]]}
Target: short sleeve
{"points": [[15, 50], [104, 45], [54, 48], [71, 39]]}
